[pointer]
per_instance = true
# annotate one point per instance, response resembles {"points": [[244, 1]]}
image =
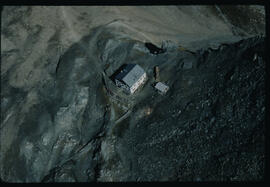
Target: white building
{"points": [[131, 77], [162, 88]]}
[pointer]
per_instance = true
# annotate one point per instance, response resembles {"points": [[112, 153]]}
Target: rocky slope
{"points": [[58, 123]]}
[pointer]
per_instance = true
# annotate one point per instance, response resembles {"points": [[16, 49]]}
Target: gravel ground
{"points": [[58, 123]]}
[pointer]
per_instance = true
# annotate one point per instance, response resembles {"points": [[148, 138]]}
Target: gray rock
{"points": [[58, 123]]}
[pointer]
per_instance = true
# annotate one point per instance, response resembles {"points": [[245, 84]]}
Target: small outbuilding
{"points": [[130, 78], [161, 88]]}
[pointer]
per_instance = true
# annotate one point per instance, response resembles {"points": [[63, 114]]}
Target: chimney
{"points": [[156, 70]]}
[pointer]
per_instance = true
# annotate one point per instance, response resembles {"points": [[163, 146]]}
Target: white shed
{"points": [[161, 87]]}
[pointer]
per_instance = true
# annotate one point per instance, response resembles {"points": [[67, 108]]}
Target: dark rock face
{"points": [[59, 124], [154, 49], [235, 15], [210, 127]]}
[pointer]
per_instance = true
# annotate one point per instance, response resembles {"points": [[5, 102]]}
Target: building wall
{"points": [[134, 87], [141, 80]]}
